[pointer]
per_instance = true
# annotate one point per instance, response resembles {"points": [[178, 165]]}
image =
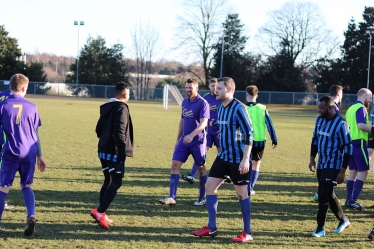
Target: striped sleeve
{"points": [[315, 132], [245, 123], [270, 127]]}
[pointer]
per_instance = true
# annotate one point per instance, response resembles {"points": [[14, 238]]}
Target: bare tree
{"points": [[199, 29], [146, 45], [298, 30]]}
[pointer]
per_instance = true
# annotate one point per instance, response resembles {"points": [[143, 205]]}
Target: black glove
{"points": [[121, 157]]}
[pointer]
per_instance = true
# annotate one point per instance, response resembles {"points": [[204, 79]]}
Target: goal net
{"points": [[171, 96]]}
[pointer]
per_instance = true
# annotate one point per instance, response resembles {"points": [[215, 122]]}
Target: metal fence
{"points": [[102, 91]]}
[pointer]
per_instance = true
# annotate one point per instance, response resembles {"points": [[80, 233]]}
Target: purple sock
{"points": [[357, 187], [349, 189], [245, 205], [211, 205], [174, 180], [2, 202], [202, 182], [254, 176], [193, 171], [29, 199]]}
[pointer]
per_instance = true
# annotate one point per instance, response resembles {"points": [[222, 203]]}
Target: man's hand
{"points": [[187, 139], [274, 145], [244, 167], [340, 176], [312, 165], [41, 163]]}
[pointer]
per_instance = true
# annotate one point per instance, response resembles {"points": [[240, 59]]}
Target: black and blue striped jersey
{"points": [[333, 140], [235, 131]]}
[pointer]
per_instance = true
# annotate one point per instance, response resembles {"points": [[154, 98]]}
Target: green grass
{"points": [[283, 215]]}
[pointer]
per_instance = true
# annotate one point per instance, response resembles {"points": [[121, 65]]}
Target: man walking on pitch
{"points": [[3, 96], [19, 120], [358, 119], [332, 142], [191, 140], [212, 131], [260, 120], [336, 92], [115, 132], [234, 159]]}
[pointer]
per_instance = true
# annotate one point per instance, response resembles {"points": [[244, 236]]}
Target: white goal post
{"points": [[171, 94]]}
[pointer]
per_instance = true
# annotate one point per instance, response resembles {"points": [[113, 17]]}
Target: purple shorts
{"points": [[359, 159], [9, 169], [182, 151], [212, 138]]}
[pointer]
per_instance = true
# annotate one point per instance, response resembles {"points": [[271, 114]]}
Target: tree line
{"points": [[296, 52]]}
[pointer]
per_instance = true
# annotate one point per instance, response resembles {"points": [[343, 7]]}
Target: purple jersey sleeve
{"points": [[214, 104], [361, 115], [192, 112], [3, 96], [19, 120]]}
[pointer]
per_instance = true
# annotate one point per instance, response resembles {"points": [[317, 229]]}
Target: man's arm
{"points": [[180, 130], [271, 130], [314, 148], [203, 123], [346, 141], [121, 120], [98, 128]]}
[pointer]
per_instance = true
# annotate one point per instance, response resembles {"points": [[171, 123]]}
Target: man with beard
{"points": [[212, 136], [191, 140], [234, 159], [336, 92], [358, 119], [332, 141]]}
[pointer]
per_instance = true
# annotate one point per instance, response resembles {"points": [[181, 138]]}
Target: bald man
{"points": [[358, 119]]}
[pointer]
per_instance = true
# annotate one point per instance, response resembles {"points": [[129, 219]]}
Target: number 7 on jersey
{"points": [[19, 107]]}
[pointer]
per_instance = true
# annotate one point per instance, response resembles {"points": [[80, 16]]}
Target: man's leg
{"points": [[350, 183], [211, 187], [106, 182], [202, 181], [254, 175], [3, 194], [338, 212], [111, 192], [323, 206]]}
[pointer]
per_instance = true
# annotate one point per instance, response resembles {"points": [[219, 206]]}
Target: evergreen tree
{"points": [[236, 63], [11, 64], [351, 70], [99, 64]]}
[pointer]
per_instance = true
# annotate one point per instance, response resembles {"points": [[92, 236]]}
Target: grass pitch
{"points": [[283, 213]]}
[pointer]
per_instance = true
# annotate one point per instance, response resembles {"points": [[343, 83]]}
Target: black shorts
{"points": [[257, 153], [327, 175], [371, 144], [117, 168], [221, 168]]}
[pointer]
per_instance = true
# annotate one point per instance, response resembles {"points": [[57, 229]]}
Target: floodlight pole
{"points": [[78, 23], [223, 44], [370, 31]]}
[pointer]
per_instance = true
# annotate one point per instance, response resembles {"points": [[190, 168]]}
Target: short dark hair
{"points": [[228, 82], [192, 81], [328, 100], [120, 87], [18, 81], [334, 89], [252, 90], [213, 80]]}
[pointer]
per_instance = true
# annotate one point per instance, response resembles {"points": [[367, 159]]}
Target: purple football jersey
{"points": [[19, 120], [213, 106], [192, 112]]}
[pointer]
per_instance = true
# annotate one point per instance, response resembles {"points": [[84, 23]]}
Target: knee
{"points": [[116, 181], [201, 170]]}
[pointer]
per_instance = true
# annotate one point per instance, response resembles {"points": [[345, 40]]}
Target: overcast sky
{"points": [[48, 26]]}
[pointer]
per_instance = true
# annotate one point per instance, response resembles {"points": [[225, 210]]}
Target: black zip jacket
{"points": [[114, 129]]}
